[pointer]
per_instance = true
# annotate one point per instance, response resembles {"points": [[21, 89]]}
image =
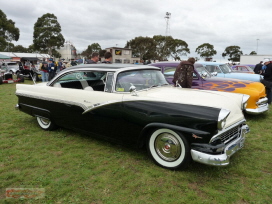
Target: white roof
{"points": [[21, 54]]}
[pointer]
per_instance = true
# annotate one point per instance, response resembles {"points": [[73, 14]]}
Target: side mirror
{"points": [[204, 74], [214, 73], [132, 88]]}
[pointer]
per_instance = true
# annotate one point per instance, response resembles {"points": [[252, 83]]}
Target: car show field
{"points": [[75, 168]]}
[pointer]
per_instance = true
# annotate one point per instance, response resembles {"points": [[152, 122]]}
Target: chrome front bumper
{"points": [[262, 107], [221, 159]]}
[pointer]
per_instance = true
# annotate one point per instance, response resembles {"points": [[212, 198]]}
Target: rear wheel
{"points": [[1, 80], [46, 124], [169, 149], [21, 78]]}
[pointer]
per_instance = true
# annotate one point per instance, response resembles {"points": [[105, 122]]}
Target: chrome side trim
{"points": [[98, 105], [54, 100]]}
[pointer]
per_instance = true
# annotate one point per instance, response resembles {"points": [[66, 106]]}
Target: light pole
{"points": [[257, 46]]}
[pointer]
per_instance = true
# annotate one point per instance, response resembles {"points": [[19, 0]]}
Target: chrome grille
{"points": [[230, 134]]}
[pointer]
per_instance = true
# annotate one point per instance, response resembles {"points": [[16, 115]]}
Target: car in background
{"points": [[242, 69], [11, 67], [203, 80], [134, 105], [223, 70], [29, 72], [7, 77]]}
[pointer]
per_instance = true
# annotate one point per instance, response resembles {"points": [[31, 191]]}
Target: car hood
{"points": [[243, 76], [221, 100], [235, 86]]}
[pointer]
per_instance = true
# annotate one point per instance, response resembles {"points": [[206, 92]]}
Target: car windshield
{"points": [[204, 73], [141, 79], [225, 68]]}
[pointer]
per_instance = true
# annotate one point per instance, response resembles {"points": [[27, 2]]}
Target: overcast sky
{"points": [[112, 23]]}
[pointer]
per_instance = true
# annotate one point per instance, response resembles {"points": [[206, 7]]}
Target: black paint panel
{"points": [[124, 122]]}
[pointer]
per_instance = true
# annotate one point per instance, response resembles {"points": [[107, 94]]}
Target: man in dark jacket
{"points": [[258, 67], [108, 58], [266, 71], [183, 75], [94, 58]]}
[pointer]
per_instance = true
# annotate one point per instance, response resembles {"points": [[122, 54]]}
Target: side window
{"points": [[195, 76], [212, 68], [169, 71], [84, 80]]}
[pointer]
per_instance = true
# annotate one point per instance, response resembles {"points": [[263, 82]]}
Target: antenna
{"points": [[167, 17]]}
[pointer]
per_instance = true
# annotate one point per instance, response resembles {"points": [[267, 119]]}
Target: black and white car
{"points": [[134, 104]]}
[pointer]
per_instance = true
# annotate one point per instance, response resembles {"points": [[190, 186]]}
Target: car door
{"points": [[83, 108]]}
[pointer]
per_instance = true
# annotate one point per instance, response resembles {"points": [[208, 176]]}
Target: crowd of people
{"points": [[50, 68], [264, 68]]}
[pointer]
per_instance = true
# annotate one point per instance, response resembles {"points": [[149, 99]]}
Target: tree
{"points": [[142, 47], [95, 47], [55, 53], [8, 32], [233, 52], [178, 48], [102, 53], [206, 50], [47, 34], [162, 51], [253, 53], [19, 48]]}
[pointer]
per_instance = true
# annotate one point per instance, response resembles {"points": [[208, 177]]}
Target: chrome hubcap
{"points": [[45, 121], [167, 147]]}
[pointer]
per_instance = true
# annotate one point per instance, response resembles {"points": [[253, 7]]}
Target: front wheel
{"points": [[46, 124], [169, 149]]}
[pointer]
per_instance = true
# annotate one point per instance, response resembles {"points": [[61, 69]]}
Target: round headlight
{"points": [[222, 118]]}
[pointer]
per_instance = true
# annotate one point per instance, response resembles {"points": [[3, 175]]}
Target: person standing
{"points": [[59, 65], [51, 69], [266, 71], [73, 62], [258, 67], [94, 58], [44, 70], [108, 58], [184, 73]]}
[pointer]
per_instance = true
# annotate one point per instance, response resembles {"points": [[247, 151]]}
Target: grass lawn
{"points": [[74, 168]]}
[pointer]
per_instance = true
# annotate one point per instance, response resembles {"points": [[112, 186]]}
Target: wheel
{"points": [[1, 80], [169, 149], [35, 77], [46, 124], [21, 77]]}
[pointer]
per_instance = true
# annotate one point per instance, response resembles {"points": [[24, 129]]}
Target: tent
{"points": [[4, 57], [29, 58]]}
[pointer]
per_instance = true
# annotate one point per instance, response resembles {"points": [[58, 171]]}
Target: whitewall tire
{"points": [[46, 124], [169, 149]]}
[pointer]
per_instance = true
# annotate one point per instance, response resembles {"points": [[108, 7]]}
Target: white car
{"points": [[134, 105]]}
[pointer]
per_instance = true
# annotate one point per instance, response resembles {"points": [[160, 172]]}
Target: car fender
{"points": [[145, 133]]}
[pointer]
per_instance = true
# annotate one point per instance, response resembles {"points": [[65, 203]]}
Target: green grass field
{"points": [[74, 168]]}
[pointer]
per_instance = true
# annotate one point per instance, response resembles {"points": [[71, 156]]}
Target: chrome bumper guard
{"points": [[262, 107], [222, 159]]}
